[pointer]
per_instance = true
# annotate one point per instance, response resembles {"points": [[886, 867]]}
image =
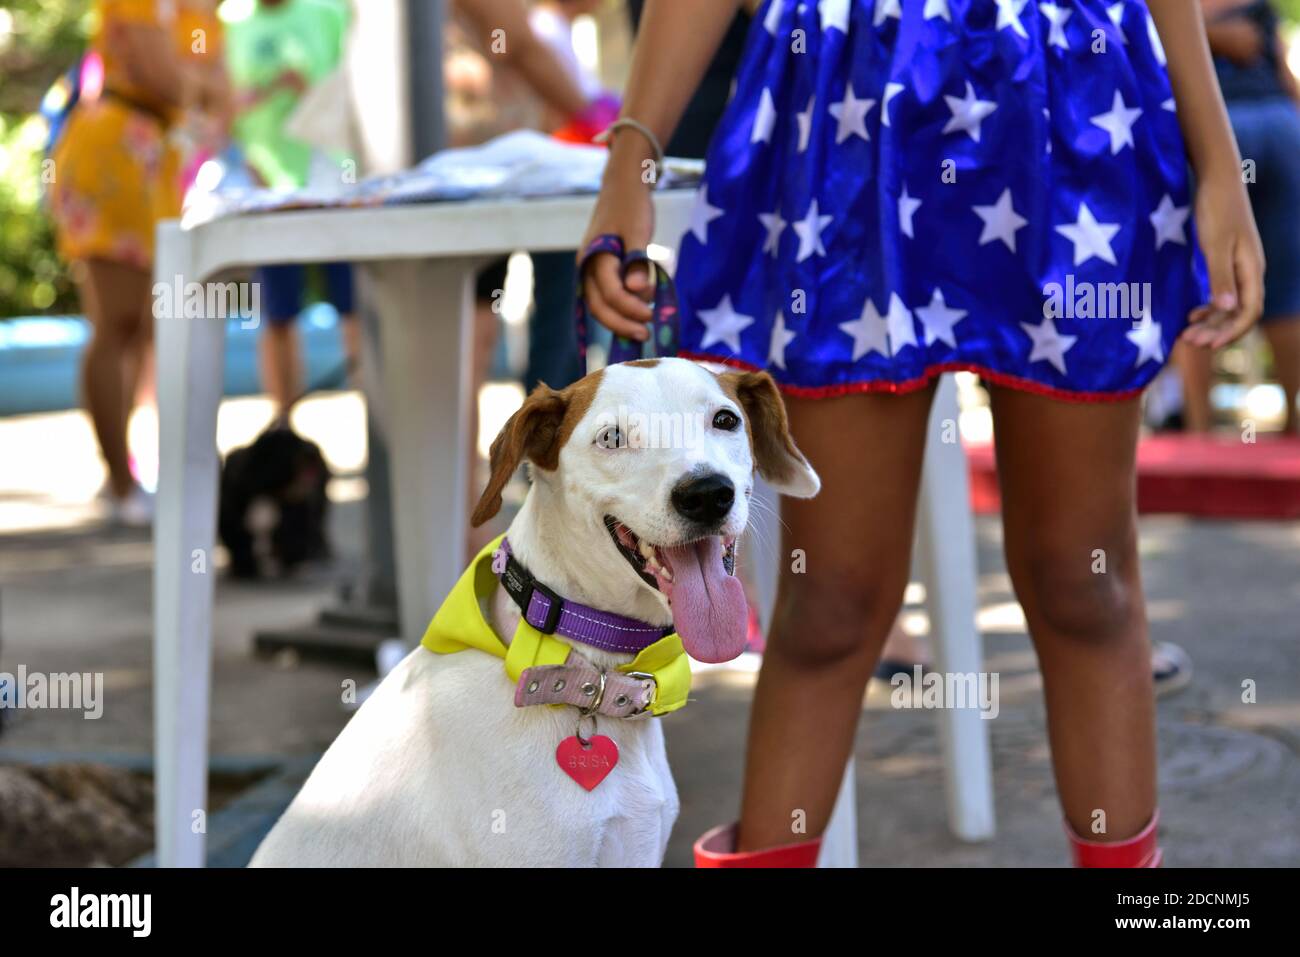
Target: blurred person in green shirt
{"points": [[276, 50]]}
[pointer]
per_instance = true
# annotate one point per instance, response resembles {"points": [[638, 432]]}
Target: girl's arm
{"points": [[1224, 221], [674, 44]]}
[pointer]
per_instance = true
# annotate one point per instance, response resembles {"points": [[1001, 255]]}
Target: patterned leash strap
{"points": [[664, 338]]}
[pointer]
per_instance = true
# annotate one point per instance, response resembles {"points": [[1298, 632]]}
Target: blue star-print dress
{"points": [[904, 187]]}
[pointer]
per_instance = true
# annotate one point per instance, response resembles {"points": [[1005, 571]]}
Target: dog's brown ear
{"points": [[532, 433], [776, 457]]}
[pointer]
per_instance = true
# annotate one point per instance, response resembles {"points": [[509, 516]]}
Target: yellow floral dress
{"points": [[116, 174]]}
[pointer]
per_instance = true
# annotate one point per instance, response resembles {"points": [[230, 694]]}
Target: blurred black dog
{"points": [[273, 504]]}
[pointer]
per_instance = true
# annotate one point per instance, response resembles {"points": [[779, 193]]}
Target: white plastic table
{"points": [[422, 262]]}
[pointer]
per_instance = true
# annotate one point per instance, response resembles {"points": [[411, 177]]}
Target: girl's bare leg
{"points": [[832, 617], [1070, 522], [116, 300]]}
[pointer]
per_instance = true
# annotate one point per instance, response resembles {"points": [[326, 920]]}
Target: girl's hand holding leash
{"points": [[624, 208]]}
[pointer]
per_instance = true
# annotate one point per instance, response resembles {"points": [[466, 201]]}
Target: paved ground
{"points": [[76, 597]]}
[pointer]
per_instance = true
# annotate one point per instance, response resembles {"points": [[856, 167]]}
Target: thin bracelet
{"points": [[608, 133]]}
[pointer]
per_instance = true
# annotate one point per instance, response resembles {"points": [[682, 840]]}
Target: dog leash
{"points": [[664, 321]]}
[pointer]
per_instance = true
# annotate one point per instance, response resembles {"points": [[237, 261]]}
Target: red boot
{"points": [[717, 848], [1138, 851]]}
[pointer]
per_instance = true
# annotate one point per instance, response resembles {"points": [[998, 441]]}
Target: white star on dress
{"points": [[1118, 123], [938, 319], [723, 324], [764, 119], [703, 214], [936, 8], [1116, 13], [1090, 237], [773, 17], [891, 90], [1009, 16], [1157, 47], [902, 328], [781, 337], [1147, 336], [851, 113], [968, 112], [1000, 221], [1168, 221], [907, 206], [884, 10], [774, 225], [834, 13], [1048, 344], [1057, 17], [809, 230], [805, 124], [870, 332]]}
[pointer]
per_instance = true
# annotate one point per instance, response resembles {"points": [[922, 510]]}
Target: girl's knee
{"points": [[823, 622], [1079, 594]]}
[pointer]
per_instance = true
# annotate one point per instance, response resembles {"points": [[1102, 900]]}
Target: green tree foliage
{"points": [[39, 40]]}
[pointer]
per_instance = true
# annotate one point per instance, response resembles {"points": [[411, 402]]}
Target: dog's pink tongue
{"points": [[709, 609]]}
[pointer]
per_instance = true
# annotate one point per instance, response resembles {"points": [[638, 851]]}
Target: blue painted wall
{"points": [[40, 358]]}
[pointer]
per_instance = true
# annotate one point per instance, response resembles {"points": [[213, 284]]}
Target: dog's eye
{"points": [[726, 420], [609, 437]]}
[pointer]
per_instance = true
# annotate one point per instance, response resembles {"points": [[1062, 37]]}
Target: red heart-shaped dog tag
{"points": [[589, 764]]}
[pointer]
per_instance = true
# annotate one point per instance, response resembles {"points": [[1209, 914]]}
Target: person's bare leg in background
{"points": [[116, 298], [279, 352], [1283, 335], [1196, 366]]}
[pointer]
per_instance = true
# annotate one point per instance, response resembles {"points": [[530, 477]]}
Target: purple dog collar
{"points": [[552, 615]]}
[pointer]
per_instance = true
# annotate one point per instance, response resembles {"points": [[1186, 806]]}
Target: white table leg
{"points": [[840, 840], [946, 551], [190, 360], [426, 319], [762, 548]]}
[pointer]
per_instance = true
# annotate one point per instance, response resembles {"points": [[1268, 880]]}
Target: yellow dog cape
{"points": [[459, 624]]}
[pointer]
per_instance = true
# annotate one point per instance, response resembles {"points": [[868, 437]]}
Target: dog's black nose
{"points": [[705, 500]]}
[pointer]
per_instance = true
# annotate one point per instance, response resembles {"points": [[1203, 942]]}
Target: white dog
{"points": [[641, 479]]}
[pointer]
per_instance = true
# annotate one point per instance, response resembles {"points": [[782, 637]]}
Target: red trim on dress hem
{"points": [[911, 385]]}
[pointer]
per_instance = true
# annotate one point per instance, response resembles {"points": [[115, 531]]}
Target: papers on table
{"points": [[517, 165]]}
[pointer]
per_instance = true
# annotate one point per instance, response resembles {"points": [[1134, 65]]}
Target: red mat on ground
{"points": [[1206, 476]]}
